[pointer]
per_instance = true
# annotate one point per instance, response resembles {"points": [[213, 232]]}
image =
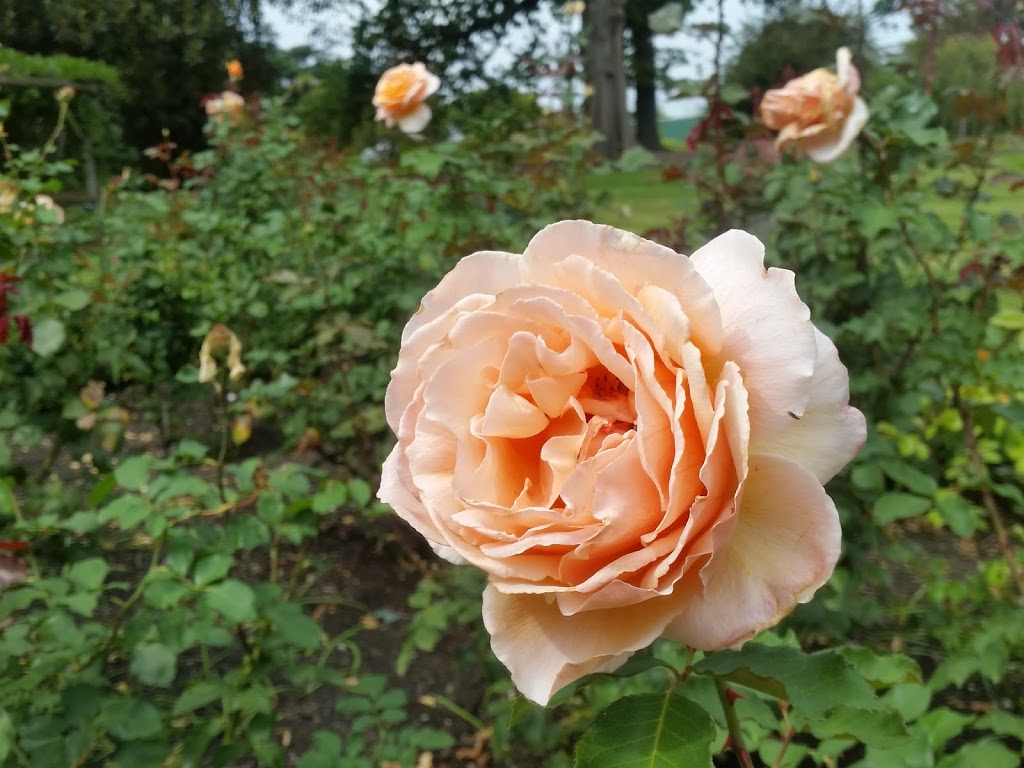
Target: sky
{"points": [[699, 52]]}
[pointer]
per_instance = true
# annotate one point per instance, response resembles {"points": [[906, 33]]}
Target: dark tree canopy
{"points": [[793, 42], [168, 53]]}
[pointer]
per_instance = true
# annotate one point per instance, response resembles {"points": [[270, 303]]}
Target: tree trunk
{"points": [[645, 72], [606, 72]]}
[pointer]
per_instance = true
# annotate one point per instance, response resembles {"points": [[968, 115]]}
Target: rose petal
{"points": [[830, 147], [417, 120], [784, 547], [633, 261], [546, 651], [768, 332], [830, 432]]}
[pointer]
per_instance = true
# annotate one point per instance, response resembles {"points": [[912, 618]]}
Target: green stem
{"points": [[225, 430], [733, 723], [458, 711]]}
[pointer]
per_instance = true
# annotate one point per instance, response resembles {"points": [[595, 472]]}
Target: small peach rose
{"points": [[45, 201], [8, 196], [400, 95], [234, 68], [819, 111], [228, 103], [629, 442]]}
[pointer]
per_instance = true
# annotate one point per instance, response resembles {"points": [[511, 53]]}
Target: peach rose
{"points": [[45, 201], [400, 95], [228, 103], [631, 443], [820, 111], [235, 70]]}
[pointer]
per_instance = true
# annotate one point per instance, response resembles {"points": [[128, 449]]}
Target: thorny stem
{"points": [[225, 430], [787, 737], [987, 499], [933, 282], [733, 722]]}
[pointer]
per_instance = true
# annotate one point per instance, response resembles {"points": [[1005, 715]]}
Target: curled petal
{"points": [[784, 547]]}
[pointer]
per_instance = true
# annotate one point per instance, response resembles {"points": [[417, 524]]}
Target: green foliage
{"points": [[651, 730], [67, 68], [169, 597], [969, 87]]}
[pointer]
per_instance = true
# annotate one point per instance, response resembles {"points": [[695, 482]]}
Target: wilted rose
{"points": [[400, 96], [220, 343], [819, 111], [629, 442]]}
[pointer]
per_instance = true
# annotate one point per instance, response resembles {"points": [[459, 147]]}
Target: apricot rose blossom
{"points": [[629, 442], [400, 97], [819, 111]]}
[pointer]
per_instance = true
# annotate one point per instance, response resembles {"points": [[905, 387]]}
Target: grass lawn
{"points": [[640, 201]]}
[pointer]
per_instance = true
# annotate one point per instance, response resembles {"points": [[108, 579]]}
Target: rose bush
{"points": [[400, 95], [819, 111], [629, 442]]}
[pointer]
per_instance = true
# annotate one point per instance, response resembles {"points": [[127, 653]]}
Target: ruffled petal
{"points": [[545, 651], [417, 120], [768, 332], [831, 431], [830, 147], [784, 547]]}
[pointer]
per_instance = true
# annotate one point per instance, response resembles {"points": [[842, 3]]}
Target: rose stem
{"points": [[735, 732]]}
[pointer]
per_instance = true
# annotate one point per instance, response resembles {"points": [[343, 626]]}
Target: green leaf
{"points": [[73, 299], [881, 670], [47, 336], [1010, 319], [813, 683], [131, 719], [293, 626], [88, 574], [360, 491], [129, 511], [325, 752], [872, 727], [211, 568], [198, 695], [988, 753], [133, 472], [163, 590], [959, 515], [6, 735], [909, 699], [425, 162], [1002, 722], [876, 218], [648, 731], [941, 725], [333, 495], [154, 664], [233, 600], [81, 522], [911, 478], [899, 506]]}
